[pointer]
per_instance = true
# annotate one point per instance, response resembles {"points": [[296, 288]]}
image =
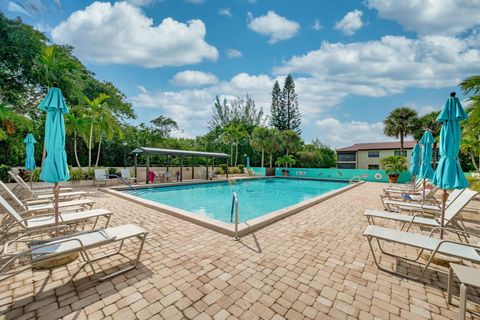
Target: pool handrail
{"points": [[235, 203]]}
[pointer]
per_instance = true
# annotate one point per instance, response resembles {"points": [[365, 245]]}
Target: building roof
{"points": [[378, 146], [174, 152]]}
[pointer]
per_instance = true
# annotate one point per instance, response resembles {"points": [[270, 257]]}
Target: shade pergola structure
{"points": [[147, 152]]}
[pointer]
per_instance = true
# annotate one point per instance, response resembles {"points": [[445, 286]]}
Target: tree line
{"points": [[98, 126]]}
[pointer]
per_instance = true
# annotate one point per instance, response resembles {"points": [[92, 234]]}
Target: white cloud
{"points": [[226, 12], [317, 25], [191, 78], [196, 1], [140, 3], [443, 17], [122, 34], [339, 134], [234, 53], [274, 26], [350, 23], [389, 65]]}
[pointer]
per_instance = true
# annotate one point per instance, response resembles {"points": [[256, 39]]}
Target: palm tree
{"points": [[108, 127], [10, 121], [291, 141], [259, 140], [273, 143], [429, 122], [76, 124], [401, 122], [94, 111], [234, 133]]}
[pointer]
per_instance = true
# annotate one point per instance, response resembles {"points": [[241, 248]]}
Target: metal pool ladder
{"points": [[235, 205]]}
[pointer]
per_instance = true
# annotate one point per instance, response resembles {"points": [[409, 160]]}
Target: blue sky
{"points": [[353, 61]]}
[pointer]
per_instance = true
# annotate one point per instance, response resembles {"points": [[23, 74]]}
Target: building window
{"points": [[346, 166], [373, 167], [373, 154], [398, 153], [348, 156]]}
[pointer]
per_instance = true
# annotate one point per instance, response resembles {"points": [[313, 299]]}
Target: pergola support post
{"points": [[206, 170], [227, 168], [148, 169], [181, 168], [168, 161], [193, 168], [135, 162]]}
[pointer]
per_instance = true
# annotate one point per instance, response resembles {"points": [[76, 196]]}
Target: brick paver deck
{"points": [[313, 265]]}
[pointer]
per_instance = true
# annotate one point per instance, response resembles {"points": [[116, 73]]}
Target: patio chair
{"points": [[12, 218], [38, 189], [101, 175], [434, 245], [42, 205], [44, 188], [402, 187], [49, 193], [395, 205], [82, 243], [451, 213], [415, 197], [127, 176]]}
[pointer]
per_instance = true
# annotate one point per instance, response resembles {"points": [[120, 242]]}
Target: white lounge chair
{"points": [[42, 205], [395, 205], [431, 244], [403, 187], [49, 193], [13, 218], [82, 243], [43, 188], [127, 176], [407, 196], [101, 175], [451, 213]]}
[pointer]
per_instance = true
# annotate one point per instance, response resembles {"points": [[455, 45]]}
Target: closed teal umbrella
{"points": [[55, 167], [415, 161], [426, 171], [449, 173], [30, 152]]}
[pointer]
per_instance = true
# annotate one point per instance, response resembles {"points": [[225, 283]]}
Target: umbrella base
{"points": [[441, 260], [55, 261]]}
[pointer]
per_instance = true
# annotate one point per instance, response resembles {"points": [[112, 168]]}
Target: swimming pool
{"points": [[256, 197]]}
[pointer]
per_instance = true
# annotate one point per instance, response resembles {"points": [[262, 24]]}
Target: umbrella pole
{"points": [[442, 220], [424, 186], [56, 191]]}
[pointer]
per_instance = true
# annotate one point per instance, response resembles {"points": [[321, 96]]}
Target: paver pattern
{"points": [[315, 264]]}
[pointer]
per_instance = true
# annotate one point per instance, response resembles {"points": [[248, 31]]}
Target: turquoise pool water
{"points": [[256, 197]]}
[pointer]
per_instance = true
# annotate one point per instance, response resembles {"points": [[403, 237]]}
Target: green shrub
{"points": [[234, 170], [394, 165], [241, 167], [76, 174], [224, 167], [36, 174], [474, 183], [219, 171], [89, 174], [4, 176], [112, 171]]}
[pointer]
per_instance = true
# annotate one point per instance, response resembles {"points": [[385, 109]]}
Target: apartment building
{"points": [[368, 155]]}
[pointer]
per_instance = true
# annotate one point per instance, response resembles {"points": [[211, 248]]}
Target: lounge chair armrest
{"points": [[457, 231], [24, 237]]}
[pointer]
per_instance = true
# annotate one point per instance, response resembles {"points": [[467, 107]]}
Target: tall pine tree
{"points": [[277, 119], [289, 106]]}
